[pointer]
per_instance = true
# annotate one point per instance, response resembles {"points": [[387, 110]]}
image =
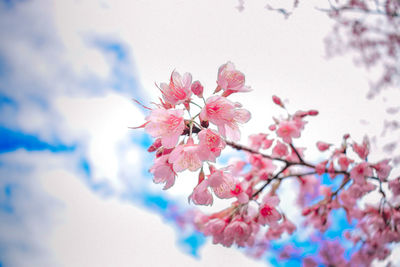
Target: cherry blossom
{"points": [[166, 124], [163, 171], [268, 213], [186, 156], [201, 195], [210, 145], [178, 90], [186, 140], [225, 115], [231, 80], [288, 130]]}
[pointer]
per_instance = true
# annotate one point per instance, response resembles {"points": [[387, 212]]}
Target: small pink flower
{"points": [[268, 214], [225, 115], [201, 195], [363, 149], [394, 185], [178, 91], [240, 194], [322, 146], [197, 89], [186, 157], [215, 228], [280, 150], [321, 167], [163, 172], [382, 169], [210, 145], [222, 183], [288, 130], [260, 140], [360, 171], [237, 231], [344, 162], [167, 124], [231, 80]]}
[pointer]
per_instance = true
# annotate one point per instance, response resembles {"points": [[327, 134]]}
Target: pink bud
{"points": [[272, 127], [322, 146], [313, 112], [156, 145], [277, 100], [197, 89]]}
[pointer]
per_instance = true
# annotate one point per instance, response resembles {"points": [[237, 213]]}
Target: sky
{"points": [[74, 183]]}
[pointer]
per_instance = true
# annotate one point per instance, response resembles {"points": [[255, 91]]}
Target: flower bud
{"points": [[197, 89]]}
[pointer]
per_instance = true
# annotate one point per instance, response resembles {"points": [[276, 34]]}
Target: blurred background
{"points": [[74, 183]]}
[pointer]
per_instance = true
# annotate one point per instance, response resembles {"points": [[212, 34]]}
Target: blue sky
{"points": [[74, 186]]}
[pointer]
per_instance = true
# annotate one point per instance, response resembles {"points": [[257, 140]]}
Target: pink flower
{"points": [[186, 157], [288, 130], [231, 80], [225, 115], [178, 91], [360, 171], [167, 124], [197, 89], [277, 231], [260, 140], [322, 146], [344, 162], [382, 169], [268, 214], [215, 228], [222, 183], [163, 172], [321, 167], [363, 149], [237, 231], [201, 195], [394, 185], [240, 194], [280, 150], [210, 145]]}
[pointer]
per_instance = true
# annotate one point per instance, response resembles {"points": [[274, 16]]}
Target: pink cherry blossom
{"points": [[260, 140], [210, 145], [288, 130], [394, 185], [360, 172], [321, 167], [163, 171], [237, 231], [363, 149], [167, 124], [201, 195], [231, 80], [240, 194], [322, 146], [280, 150], [215, 227], [178, 90], [197, 89], [225, 115], [186, 156], [268, 214], [344, 162], [382, 169], [222, 183]]}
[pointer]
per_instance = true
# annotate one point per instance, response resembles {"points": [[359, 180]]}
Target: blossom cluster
{"points": [[186, 140]]}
